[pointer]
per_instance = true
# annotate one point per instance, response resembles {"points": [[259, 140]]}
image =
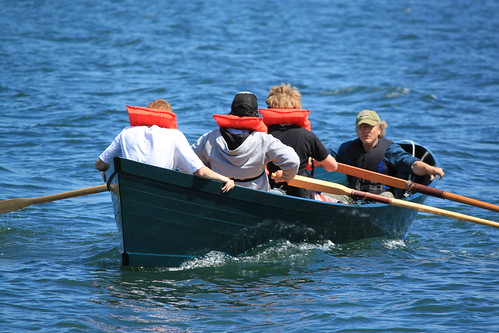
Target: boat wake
{"points": [[271, 252], [393, 244]]}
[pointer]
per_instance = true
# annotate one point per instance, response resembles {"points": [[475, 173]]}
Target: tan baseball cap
{"points": [[367, 117]]}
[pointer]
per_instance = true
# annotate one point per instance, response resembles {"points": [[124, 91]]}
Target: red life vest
{"points": [[141, 116], [243, 123], [286, 116]]}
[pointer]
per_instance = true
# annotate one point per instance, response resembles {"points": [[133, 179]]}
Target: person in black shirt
{"points": [[288, 122]]}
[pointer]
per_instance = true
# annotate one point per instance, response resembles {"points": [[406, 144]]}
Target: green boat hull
{"points": [[167, 217]]}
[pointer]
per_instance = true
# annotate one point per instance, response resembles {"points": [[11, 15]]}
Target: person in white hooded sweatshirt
{"points": [[241, 148]]}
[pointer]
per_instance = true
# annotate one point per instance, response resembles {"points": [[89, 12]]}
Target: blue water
{"points": [[67, 70]]}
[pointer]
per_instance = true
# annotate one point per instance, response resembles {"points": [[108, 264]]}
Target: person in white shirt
{"points": [[162, 147]]}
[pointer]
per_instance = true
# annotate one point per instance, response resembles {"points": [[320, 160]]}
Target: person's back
{"points": [[166, 147], [240, 148], [162, 147]]}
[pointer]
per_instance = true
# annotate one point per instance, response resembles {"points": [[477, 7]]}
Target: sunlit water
{"points": [[67, 70]]}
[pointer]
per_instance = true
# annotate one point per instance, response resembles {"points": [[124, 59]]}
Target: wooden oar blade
{"points": [[11, 205]]}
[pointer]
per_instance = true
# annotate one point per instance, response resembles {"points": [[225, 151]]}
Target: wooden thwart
{"points": [[333, 188]]}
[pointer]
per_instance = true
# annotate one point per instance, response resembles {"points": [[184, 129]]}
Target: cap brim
{"points": [[371, 122]]}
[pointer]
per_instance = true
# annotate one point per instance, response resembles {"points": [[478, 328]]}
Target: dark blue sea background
{"points": [[67, 70]]}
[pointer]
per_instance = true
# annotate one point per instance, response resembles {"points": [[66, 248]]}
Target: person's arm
{"points": [[278, 177], [405, 162], [101, 165], [198, 148], [329, 163], [341, 155], [113, 150], [421, 169], [190, 161], [320, 154], [284, 157], [207, 173]]}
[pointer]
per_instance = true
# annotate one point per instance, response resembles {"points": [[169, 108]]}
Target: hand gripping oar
{"points": [[333, 188], [11, 205], [411, 186]]}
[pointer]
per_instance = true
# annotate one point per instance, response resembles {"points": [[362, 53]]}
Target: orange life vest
{"points": [[141, 116], [286, 116], [243, 123]]}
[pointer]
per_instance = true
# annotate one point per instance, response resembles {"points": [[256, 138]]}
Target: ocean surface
{"points": [[67, 70]]}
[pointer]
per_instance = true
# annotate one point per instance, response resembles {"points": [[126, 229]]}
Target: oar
{"points": [[11, 205], [411, 186], [333, 188]]}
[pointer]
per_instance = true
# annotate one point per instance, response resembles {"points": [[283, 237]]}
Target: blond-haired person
{"points": [[292, 131]]}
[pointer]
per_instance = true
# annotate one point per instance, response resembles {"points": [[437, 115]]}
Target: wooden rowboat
{"points": [[167, 217]]}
